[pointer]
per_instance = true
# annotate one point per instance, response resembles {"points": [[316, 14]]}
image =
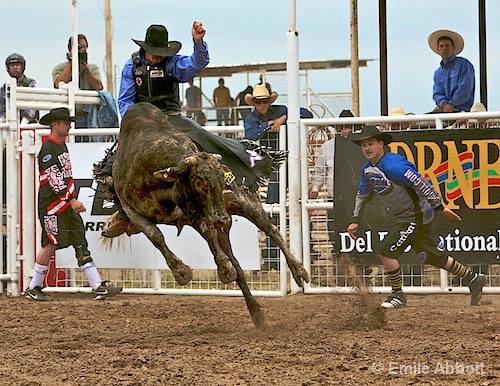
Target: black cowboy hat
{"points": [[346, 114], [157, 43], [59, 114], [369, 132]]}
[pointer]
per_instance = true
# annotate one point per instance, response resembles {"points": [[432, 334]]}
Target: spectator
{"points": [[222, 98], [193, 103], [454, 80], [413, 202], [398, 112], [240, 101], [59, 210], [264, 123], [16, 64], [479, 123], [89, 76]]}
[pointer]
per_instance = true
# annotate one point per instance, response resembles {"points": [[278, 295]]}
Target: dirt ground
{"points": [[309, 340]]}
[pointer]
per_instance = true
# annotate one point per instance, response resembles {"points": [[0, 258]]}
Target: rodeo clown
{"points": [[413, 201], [59, 210]]}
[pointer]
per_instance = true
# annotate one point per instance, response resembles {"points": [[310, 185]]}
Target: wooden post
{"points": [[109, 47], [354, 58]]}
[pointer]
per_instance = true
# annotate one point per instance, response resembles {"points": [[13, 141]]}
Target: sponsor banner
{"points": [[137, 251], [464, 168]]}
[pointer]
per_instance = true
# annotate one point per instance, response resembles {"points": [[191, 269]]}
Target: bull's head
{"points": [[199, 190]]}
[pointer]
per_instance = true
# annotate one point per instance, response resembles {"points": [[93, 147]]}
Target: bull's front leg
{"points": [[256, 312], [225, 269], [182, 273]]}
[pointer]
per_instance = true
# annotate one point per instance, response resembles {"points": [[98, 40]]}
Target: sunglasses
{"points": [[261, 101]]}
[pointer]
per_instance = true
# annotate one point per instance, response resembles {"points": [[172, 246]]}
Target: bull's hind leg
{"points": [[248, 205], [181, 271], [256, 312]]}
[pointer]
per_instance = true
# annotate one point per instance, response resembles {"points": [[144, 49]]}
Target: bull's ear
{"points": [[168, 174], [217, 156]]}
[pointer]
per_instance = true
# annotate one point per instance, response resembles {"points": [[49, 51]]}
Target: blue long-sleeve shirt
{"points": [[454, 82], [404, 192], [257, 124], [181, 67]]}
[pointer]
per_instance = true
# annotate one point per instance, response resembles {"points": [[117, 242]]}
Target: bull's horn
{"points": [[165, 174], [228, 195], [191, 160]]}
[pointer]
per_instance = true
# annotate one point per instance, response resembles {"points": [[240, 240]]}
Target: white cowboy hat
{"points": [[260, 92], [397, 111], [477, 107], [434, 37]]}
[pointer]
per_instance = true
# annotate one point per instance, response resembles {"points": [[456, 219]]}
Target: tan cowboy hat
{"points": [[59, 114], [260, 92], [157, 43], [397, 111], [477, 107], [434, 37], [369, 132]]}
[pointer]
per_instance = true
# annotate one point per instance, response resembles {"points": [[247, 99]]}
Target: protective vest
{"points": [[25, 82], [155, 86]]}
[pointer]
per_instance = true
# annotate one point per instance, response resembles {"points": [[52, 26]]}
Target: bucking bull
{"points": [[160, 177]]}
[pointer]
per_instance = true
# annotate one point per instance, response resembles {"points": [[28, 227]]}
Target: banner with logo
{"points": [[137, 251], [463, 166]]}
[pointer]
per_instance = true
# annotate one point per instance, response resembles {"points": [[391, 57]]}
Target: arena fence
{"points": [[338, 273], [329, 274], [23, 230]]}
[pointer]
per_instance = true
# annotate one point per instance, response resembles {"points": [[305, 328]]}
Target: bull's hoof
{"points": [[300, 274], [183, 275], [227, 273], [258, 316]]}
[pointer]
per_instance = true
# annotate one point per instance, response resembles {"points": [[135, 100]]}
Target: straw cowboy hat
{"points": [[369, 132], [260, 92], [397, 111], [59, 114], [434, 37], [477, 107], [157, 43]]}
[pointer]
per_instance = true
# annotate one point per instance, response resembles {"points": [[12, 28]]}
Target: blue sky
{"points": [[241, 32]]}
